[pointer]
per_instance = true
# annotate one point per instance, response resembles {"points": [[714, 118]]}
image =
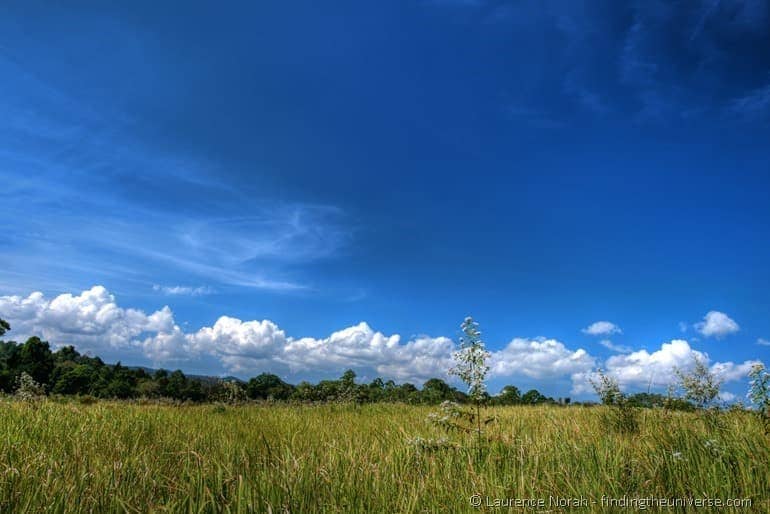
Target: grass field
{"points": [[114, 457]]}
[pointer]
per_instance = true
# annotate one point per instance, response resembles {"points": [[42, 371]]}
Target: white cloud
{"points": [[361, 347], [615, 347], [539, 359], [641, 369], [763, 342], [717, 324], [602, 328], [241, 346], [247, 347], [167, 346], [726, 396], [91, 320], [730, 371], [183, 290]]}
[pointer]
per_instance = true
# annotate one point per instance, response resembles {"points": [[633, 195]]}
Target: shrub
{"points": [[219, 409], [87, 399], [620, 415], [700, 385], [759, 393], [232, 393], [472, 369], [27, 389]]}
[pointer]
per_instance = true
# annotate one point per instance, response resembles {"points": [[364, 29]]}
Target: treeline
{"points": [[67, 372]]}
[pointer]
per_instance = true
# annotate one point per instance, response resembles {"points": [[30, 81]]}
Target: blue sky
{"points": [[539, 165]]}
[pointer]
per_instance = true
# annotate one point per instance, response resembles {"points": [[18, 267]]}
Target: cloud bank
{"points": [[92, 321]]}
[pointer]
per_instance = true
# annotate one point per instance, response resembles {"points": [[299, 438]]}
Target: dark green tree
{"points": [[268, 386], [532, 397], [78, 379], [510, 395], [435, 391], [36, 359]]}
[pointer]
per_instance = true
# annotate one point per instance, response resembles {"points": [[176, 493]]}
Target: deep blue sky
{"points": [[540, 165]]}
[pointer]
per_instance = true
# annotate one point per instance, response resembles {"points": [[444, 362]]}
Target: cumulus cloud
{"points": [[90, 320], [641, 369], [361, 347], [717, 324], [730, 371], [540, 359], [602, 328], [241, 346], [763, 342]]}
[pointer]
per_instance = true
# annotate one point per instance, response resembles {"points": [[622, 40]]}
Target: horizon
{"points": [[301, 190]]}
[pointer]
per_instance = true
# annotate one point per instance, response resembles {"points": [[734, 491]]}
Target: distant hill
{"points": [[207, 379]]}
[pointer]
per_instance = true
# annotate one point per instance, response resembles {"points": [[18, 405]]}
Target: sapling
{"points": [[232, 392], [471, 367], [27, 389], [759, 392], [621, 414], [700, 385]]}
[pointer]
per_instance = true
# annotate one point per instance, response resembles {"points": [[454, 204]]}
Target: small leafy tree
{"points": [[607, 388], [4, 327], [759, 392], [471, 367], [27, 389], [621, 416], [509, 395], [700, 385], [232, 392], [348, 391]]}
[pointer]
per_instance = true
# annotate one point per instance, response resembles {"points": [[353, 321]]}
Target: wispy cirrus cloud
{"points": [[183, 290], [136, 212], [92, 226]]}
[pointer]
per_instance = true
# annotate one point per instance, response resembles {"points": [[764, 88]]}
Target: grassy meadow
{"points": [[128, 457]]}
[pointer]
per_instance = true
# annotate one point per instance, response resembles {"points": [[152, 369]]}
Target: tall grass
{"points": [[119, 457]]}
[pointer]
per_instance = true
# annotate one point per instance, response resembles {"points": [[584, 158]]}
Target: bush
{"points": [[232, 393], [759, 393], [27, 389], [621, 415], [700, 385], [87, 399], [219, 409]]}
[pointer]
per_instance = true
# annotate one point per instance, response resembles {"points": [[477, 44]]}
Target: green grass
{"points": [[116, 457]]}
